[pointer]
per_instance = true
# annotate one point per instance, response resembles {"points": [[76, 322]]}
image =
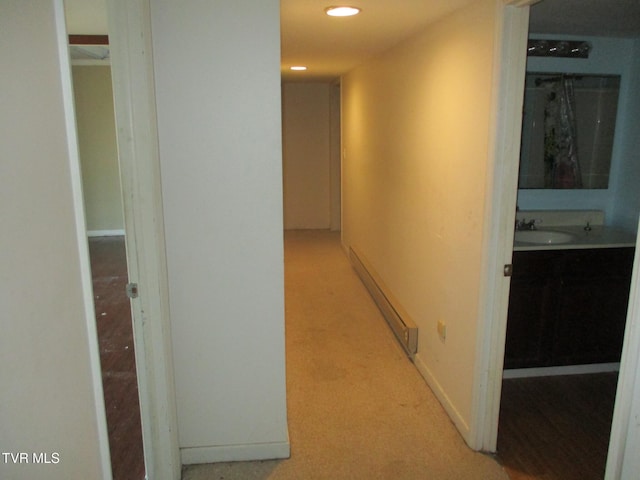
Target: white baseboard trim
{"points": [[105, 233], [564, 370], [449, 407], [235, 453]]}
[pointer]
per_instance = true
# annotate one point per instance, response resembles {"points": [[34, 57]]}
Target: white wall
{"points": [[416, 130], [306, 155], [47, 404], [98, 148], [218, 102]]}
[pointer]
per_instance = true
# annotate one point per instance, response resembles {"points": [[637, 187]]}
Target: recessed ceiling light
{"points": [[298, 68], [342, 11]]}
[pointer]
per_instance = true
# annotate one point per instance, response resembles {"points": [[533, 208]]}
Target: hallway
{"points": [[357, 407]]}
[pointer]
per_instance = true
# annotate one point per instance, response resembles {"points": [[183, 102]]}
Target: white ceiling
{"points": [[332, 46]]}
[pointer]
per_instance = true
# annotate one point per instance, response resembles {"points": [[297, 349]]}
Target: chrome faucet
{"points": [[524, 225]]}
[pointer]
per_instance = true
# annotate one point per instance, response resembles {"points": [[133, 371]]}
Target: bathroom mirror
{"points": [[568, 130]]}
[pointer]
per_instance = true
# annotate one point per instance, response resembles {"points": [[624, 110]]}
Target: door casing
{"points": [[136, 126]]}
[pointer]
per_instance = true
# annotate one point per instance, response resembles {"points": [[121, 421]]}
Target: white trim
{"points": [[623, 461], [105, 233], [563, 370], [443, 398], [501, 189], [134, 101], [236, 453], [91, 62], [521, 3], [83, 247]]}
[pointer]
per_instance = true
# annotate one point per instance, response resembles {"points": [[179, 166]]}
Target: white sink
{"points": [[543, 237]]}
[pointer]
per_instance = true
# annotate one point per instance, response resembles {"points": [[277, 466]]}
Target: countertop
{"points": [[597, 237]]}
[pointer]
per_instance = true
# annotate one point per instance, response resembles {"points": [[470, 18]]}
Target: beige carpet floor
{"points": [[357, 406]]}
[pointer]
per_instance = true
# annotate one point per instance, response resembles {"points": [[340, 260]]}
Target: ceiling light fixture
{"points": [[342, 11], [298, 68]]}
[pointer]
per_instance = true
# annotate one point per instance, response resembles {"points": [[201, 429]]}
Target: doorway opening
{"points": [[117, 356], [108, 259], [558, 426]]}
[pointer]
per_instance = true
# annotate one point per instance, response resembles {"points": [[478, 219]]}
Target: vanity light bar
{"points": [[558, 48]]}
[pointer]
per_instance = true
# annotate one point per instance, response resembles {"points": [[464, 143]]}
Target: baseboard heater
{"points": [[401, 324]]}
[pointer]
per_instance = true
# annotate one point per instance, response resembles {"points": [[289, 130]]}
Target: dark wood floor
{"points": [[556, 428], [117, 356]]}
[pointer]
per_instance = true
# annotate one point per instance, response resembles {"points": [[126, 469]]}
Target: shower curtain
{"points": [[562, 168]]}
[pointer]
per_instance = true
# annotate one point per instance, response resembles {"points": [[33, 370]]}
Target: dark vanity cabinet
{"points": [[567, 307]]}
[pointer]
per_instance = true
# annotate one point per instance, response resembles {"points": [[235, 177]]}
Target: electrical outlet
{"points": [[442, 330]]}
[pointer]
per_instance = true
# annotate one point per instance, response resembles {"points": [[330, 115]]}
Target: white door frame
{"points": [[623, 461], [75, 173], [136, 125], [501, 190]]}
